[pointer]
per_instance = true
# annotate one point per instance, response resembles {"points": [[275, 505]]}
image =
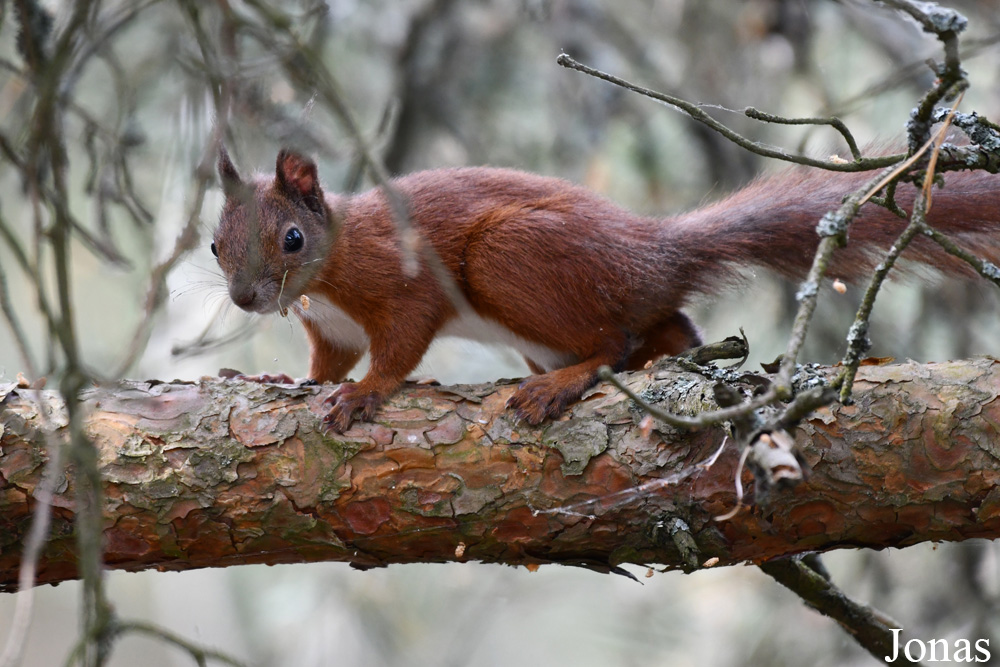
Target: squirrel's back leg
{"points": [[548, 394]]}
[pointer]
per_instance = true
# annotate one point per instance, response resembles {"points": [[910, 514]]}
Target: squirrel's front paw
{"points": [[347, 400]]}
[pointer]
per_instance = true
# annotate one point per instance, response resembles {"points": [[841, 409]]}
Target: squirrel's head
{"points": [[274, 233]]}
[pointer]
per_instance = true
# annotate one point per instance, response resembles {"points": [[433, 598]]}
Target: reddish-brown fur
{"points": [[551, 262]]}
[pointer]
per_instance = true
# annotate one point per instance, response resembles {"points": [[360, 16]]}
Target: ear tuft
{"points": [[297, 178], [231, 181]]}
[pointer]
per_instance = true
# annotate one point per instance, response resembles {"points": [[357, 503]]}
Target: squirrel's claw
{"points": [[347, 400]]}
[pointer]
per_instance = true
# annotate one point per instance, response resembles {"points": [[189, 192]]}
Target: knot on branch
{"points": [[979, 130], [683, 540], [940, 19], [858, 342], [932, 17], [833, 223], [925, 116], [990, 270], [955, 158], [807, 290]]}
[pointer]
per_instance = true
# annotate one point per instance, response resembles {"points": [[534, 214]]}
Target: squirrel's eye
{"points": [[293, 240], [215, 251]]}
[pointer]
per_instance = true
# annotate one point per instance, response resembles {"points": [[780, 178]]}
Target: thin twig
{"points": [[986, 269], [869, 627], [199, 654], [52, 75], [738, 486], [857, 337], [833, 228], [832, 121], [699, 114], [14, 324], [702, 419]]}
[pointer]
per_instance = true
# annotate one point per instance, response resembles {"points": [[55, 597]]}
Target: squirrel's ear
{"points": [[231, 181], [296, 176]]}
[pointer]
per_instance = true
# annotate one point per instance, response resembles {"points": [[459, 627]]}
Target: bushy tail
{"points": [[772, 223]]}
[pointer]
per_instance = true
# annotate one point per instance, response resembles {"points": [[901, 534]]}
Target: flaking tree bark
{"points": [[218, 473]]}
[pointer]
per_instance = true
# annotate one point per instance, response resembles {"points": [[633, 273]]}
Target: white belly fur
{"points": [[337, 326], [474, 327]]}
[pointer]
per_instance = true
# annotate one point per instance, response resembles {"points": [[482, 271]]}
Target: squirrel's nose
{"points": [[242, 296]]}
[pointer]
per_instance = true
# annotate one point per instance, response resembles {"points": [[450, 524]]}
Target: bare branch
{"points": [[699, 114], [869, 627]]}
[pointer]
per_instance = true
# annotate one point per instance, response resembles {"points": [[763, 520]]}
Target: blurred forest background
{"points": [[437, 83]]}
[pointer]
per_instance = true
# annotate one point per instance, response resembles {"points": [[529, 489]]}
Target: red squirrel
{"points": [[565, 276]]}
